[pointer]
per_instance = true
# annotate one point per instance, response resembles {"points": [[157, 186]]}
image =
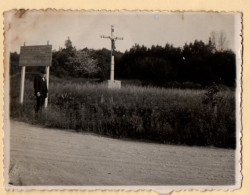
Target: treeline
{"points": [[70, 62], [196, 63], [84, 63]]}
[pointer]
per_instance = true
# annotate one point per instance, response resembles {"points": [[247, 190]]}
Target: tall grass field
{"points": [[172, 116]]}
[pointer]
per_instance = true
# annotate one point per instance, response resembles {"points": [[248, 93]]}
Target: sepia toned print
{"points": [[122, 100]]}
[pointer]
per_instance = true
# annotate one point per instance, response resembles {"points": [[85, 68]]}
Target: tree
{"points": [[103, 62], [196, 62], [14, 63], [83, 64], [60, 60], [68, 44], [219, 40]]}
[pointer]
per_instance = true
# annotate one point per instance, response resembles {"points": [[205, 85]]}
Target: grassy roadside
{"points": [[175, 116]]}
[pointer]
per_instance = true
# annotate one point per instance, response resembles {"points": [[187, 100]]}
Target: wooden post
{"points": [[47, 80], [22, 84]]}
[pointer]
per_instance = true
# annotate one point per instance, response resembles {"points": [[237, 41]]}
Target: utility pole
{"points": [[112, 70]]}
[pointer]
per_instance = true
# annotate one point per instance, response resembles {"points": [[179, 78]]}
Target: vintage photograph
{"points": [[102, 99]]}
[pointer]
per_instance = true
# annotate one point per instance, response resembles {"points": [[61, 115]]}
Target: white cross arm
{"points": [[118, 38], [107, 37]]}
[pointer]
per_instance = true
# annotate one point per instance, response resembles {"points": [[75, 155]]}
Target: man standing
{"points": [[40, 88]]}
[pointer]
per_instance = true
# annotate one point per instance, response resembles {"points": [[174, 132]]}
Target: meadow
{"points": [[171, 116]]}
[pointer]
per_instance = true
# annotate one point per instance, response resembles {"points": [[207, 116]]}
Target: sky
{"points": [[144, 28]]}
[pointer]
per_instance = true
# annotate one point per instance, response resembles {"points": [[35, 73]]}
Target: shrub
{"points": [[164, 115]]}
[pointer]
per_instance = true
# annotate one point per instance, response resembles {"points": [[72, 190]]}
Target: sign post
{"points": [[22, 83], [47, 80], [38, 55]]}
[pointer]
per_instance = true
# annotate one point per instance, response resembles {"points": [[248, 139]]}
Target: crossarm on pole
{"points": [[107, 37], [118, 38]]}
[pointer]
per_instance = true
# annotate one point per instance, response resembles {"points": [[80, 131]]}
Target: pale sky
{"points": [[85, 28]]}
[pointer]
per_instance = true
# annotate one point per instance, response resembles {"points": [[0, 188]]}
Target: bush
{"points": [[164, 115]]}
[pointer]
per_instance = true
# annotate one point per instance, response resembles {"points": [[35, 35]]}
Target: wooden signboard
{"points": [[39, 55]]}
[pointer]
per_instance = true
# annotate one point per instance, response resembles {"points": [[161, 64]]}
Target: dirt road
{"points": [[42, 156]]}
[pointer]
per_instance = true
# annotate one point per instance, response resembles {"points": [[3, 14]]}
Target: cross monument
{"points": [[112, 83]]}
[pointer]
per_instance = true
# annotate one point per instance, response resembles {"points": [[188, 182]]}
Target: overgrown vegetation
{"points": [[156, 101], [164, 115], [195, 65]]}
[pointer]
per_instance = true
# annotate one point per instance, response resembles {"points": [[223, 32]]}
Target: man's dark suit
{"points": [[40, 88]]}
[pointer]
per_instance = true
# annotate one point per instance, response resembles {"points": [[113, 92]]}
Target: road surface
{"points": [[40, 156]]}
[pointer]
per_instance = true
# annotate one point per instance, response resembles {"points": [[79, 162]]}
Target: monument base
{"points": [[114, 84]]}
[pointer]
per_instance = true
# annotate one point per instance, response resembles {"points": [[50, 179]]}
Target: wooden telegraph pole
{"points": [[112, 83]]}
